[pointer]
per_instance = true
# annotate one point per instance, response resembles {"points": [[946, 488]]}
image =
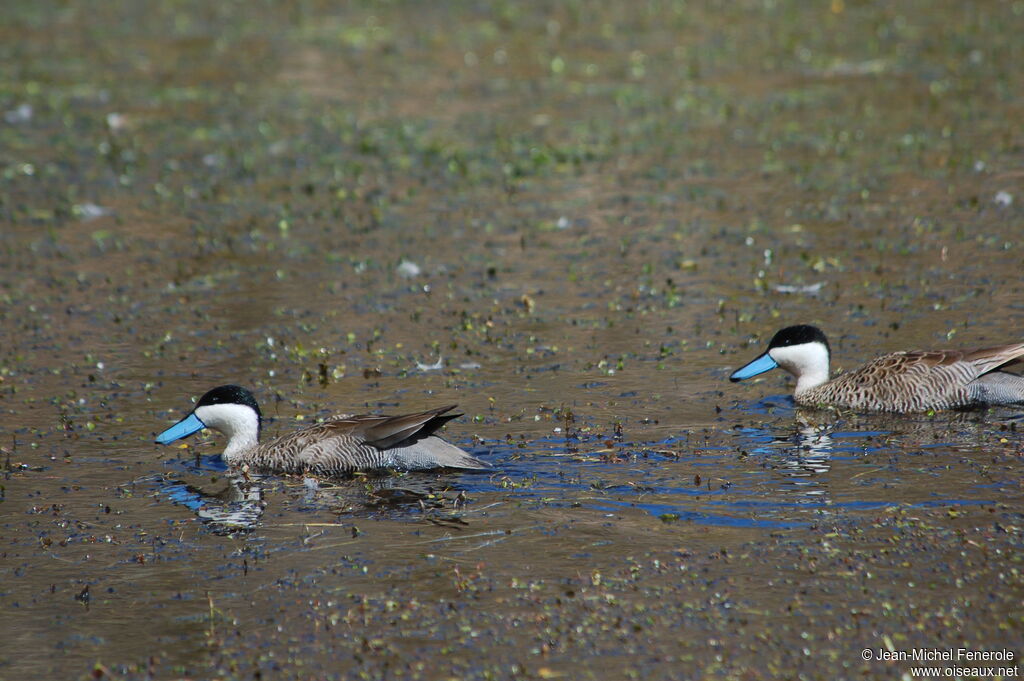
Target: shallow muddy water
{"points": [[574, 223]]}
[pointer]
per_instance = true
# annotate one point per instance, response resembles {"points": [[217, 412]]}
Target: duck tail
{"points": [[433, 452]]}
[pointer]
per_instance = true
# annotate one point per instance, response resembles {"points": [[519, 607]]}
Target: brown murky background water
{"points": [[574, 221]]}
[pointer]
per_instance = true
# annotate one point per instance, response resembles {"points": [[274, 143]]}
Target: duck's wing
{"points": [[385, 432], [975, 362], [380, 431], [367, 442], [998, 357]]}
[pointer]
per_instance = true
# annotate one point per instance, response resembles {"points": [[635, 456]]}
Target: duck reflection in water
{"points": [[238, 504]]}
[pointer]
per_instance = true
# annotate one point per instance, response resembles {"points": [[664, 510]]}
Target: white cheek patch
{"points": [[808, 362], [230, 419]]}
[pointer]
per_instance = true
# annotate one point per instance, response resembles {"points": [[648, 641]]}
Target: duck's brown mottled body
{"points": [[362, 443], [924, 380]]}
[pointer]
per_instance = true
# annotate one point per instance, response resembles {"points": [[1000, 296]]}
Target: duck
{"points": [[900, 382], [343, 444]]}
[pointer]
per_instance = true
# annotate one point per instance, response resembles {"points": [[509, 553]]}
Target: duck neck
{"points": [[240, 447], [810, 379]]}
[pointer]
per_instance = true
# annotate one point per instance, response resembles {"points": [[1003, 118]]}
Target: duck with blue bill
{"points": [[340, 445], [910, 381]]}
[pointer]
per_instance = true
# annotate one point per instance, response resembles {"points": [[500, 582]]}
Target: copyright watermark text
{"points": [[964, 662]]}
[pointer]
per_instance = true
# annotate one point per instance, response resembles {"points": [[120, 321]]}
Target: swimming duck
{"points": [[343, 444], [896, 382]]}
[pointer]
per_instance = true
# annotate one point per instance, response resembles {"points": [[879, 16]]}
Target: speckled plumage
{"points": [[362, 443], [896, 382], [924, 380], [342, 444]]}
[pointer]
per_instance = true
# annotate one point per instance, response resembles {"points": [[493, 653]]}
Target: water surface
{"points": [[574, 222]]}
